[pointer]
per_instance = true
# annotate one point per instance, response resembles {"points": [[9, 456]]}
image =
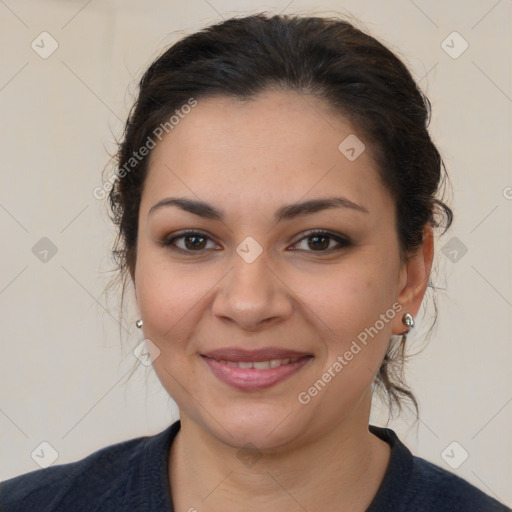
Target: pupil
{"points": [[322, 246], [194, 244]]}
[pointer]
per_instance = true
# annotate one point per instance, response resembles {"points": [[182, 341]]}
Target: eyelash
{"points": [[343, 241]]}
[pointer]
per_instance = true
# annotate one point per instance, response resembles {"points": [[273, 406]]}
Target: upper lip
{"points": [[264, 354]]}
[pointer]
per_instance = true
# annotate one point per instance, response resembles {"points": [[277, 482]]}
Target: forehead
{"points": [[276, 147]]}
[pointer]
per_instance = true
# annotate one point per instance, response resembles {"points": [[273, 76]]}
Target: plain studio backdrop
{"points": [[68, 73]]}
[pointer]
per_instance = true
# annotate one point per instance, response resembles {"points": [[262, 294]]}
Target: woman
{"points": [[276, 196]]}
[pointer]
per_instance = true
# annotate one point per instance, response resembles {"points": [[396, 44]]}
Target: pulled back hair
{"points": [[328, 58]]}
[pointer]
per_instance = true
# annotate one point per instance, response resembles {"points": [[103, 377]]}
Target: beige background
{"points": [[64, 369]]}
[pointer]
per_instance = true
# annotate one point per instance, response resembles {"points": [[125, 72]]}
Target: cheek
{"points": [[157, 298], [171, 299], [162, 299], [352, 310], [170, 304], [349, 297]]}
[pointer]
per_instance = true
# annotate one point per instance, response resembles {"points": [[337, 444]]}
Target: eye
{"points": [[321, 240], [196, 241]]}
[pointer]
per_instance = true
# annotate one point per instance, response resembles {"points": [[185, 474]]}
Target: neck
{"points": [[340, 470]]}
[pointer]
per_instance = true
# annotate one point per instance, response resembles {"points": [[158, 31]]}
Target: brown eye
{"points": [[319, 241], [316, 241], [193, 241]]}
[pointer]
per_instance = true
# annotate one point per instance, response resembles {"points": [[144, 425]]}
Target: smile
{"points": [[248, 371], [260, 365]]}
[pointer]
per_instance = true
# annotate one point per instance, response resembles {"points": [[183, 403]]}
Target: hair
{"points": [[328, 58]]}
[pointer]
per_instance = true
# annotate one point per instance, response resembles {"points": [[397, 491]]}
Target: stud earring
{"points": [[139, 323], [409, 321]]}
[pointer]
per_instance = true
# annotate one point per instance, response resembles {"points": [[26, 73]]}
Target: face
{"points": [[256, 283]]}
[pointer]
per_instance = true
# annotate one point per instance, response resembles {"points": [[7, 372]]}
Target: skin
{"points": [[248, 159]]}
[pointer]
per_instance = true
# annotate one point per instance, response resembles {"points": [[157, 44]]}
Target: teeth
{"points": [[260, 365]]}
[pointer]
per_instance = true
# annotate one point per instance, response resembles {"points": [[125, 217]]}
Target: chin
{"points": [[267, 427]]}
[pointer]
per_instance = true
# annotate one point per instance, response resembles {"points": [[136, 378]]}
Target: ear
{"points": [[414, 276]]}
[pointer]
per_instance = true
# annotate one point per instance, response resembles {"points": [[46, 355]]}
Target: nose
{"points": [[253, 295]]}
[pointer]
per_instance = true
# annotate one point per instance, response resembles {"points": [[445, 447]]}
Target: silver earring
{"points": [[408, 320], [139, 323]]}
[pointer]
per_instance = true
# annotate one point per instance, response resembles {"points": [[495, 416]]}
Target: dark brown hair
{"points": [[326, 57]]}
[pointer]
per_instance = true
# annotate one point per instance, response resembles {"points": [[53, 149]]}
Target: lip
{"points": [[252, 379]]}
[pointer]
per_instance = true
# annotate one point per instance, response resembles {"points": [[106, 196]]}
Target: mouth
{"points": [[259, 365], [255, 369]]}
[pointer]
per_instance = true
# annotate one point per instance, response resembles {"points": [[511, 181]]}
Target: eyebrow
{"points": [[286, 212]]}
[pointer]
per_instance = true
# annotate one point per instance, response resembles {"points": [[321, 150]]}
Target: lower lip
{"points": [[249, 379]]}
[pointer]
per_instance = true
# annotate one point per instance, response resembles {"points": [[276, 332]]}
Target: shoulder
{"points": [[443, 490], [96, 482], [94, 477], [413, 483]]}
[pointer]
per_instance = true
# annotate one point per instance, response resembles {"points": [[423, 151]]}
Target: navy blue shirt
{"points": [[132, 476]]}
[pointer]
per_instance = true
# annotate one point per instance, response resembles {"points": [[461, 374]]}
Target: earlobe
{"points": [[415, 276]]}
